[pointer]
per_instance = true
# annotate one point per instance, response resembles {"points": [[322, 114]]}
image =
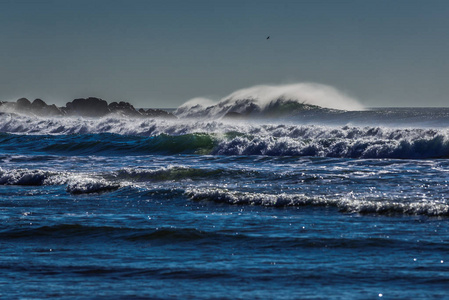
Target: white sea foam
{"points": [[31, 177]]}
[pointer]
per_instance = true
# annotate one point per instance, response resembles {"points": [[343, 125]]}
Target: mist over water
{"points": [[309, 93]]}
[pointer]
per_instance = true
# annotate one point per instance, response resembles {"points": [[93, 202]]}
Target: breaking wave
{"points": [[348, 205], [31, 177], [271, 101], [346, 142], [75, 183], [233, 139]]}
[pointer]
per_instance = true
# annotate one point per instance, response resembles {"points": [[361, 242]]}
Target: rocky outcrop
{"points": [[124, 109], [38, 104], [23, 103], [90, 107], [37, 107], [84, 107], [43, 109]]}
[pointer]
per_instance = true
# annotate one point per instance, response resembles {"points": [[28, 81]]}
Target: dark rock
{"points": [[23, 103], [40, 108], [51, 110], [86, 107], [123, 108], [113, 106], [38, 104], [90, 107]]}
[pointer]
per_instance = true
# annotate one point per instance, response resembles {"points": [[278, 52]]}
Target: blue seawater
{"points": [[330, 205]]}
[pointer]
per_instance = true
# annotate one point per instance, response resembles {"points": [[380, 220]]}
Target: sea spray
{"points": [[270, 100]]}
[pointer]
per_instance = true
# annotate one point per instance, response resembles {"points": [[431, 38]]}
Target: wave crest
{"points": [[348, 204], [86, 185], [31, 177]]}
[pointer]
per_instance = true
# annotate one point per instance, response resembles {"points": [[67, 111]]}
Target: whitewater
{"points": [[287, 192]]}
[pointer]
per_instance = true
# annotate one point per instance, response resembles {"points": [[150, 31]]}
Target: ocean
{"points": [[320, 204]]}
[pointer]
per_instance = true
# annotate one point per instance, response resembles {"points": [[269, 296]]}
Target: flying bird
{"points": [[268, 37]]}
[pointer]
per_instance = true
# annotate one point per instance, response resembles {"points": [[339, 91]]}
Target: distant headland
{"points": [[84, 107]]}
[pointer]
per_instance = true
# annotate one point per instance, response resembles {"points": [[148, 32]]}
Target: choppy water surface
{"points": [[313, 207]]}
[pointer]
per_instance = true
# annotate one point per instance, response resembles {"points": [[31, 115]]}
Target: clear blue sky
{"points": [[162, 53]]}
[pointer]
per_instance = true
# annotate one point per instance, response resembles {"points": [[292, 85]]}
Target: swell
{"points": [[172, 235], [69, 231], [177, 173]]}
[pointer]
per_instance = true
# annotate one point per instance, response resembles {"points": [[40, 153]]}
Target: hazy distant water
{"points": [[318, 205]]}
